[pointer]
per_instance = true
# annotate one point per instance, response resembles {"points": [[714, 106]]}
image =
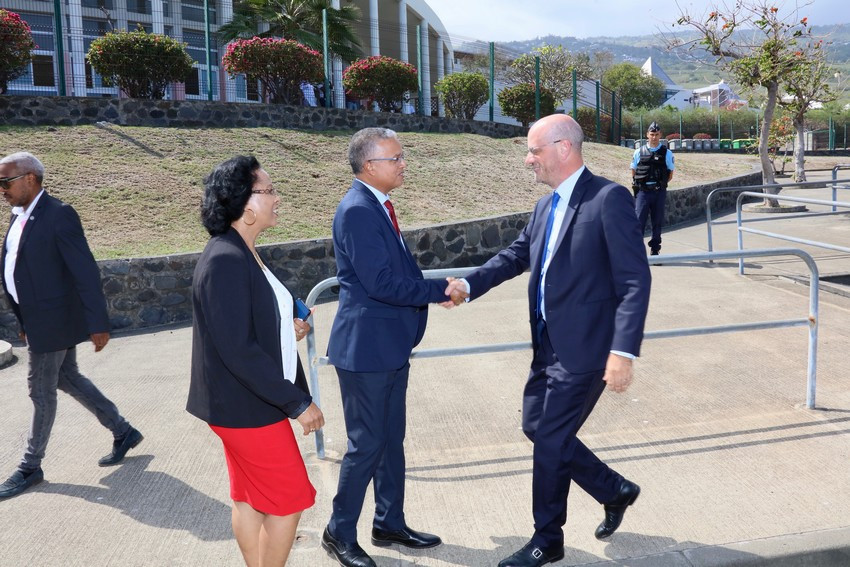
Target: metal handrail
{"points": [[835, 177], [314, 361], [742, 229], [801, 185]]}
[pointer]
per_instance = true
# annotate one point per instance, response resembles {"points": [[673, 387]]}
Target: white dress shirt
{"points": [[13, 242]]}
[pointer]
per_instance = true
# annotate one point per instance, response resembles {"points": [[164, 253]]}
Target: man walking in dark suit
{"points": [[383, 308], [53, 285], [588, 295]]}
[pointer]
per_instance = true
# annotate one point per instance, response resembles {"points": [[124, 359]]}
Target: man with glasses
{"points": [[53, 285], [588, 295], [383, 308]]}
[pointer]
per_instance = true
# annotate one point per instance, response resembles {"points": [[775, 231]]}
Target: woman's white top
{"points": [[288, 349]]}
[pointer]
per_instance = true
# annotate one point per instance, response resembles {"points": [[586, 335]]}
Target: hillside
{"points": [[138, 189], [690, 70]]}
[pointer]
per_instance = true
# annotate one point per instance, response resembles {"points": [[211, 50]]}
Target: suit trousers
{"points": [[374, 407], [49, 371], [649, 205], [556, 404]]}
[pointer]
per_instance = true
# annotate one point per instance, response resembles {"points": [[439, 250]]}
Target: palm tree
{"points": [[300, 20]]}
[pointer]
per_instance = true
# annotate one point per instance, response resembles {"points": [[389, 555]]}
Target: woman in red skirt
{"points": [[247, 381]]}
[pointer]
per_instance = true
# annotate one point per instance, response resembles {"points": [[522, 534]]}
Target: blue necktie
{"points": [[549, 222]]}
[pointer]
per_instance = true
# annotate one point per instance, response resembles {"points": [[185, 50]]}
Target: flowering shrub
{"points": [[518, 102], [381, 79], [16, 47], [702, 136], [674, 136], [280, 64], [140, 63], [463, 94]]}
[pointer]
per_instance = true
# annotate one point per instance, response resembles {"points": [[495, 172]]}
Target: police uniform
{"points": [[652, 167]]}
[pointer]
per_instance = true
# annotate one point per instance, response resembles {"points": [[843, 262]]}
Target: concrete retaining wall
{"points": [[73, 111]]}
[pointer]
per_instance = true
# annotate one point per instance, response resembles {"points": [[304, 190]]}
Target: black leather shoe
{"points": [[120, 448], [615, 510], [532, 556], [20, 481], [406, 536], [346, 554]]}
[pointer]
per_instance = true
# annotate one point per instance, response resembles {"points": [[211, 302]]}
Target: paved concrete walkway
{"points": [[734, 470]]}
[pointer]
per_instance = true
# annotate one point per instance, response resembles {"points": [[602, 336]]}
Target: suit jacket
{"points": [[598, 280], [60, 298], [383, 296], [237, 369]]}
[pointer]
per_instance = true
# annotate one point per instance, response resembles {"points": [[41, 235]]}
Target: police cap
{"points": [[654, 127]]}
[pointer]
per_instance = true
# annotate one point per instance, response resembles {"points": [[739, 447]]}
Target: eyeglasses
{"points": [[6, 181], [395, 159], [535, 150], [270, 191]]}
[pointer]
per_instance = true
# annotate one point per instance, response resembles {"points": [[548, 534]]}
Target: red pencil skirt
{"points": [[266, 469]]}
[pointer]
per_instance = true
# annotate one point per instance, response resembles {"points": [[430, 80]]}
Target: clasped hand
{"points": [[456, 291]]}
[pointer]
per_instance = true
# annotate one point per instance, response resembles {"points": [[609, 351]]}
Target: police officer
{"points": [[652, 171]]}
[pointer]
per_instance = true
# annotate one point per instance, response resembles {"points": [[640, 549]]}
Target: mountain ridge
{"points": [[689, 69]]}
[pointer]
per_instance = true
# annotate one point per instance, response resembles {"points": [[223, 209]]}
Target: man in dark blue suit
{"points": [[383, 308], [588, 295], [53, 285]]}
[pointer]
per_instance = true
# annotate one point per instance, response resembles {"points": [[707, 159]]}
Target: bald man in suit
{"points": [[588, 297]]}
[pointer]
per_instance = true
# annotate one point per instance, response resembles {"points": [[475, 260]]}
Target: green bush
{"points": [[141, 64], [518, 102], [380, 79], [280, 64], [463, 94], [16, 47]]}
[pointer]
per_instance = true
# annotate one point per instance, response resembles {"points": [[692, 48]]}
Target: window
{"points": [[196, 83], [133, 26], [194, 10], [193, 85], [41, 27], [196, 46], [42, 71], [97, 4], [139, 6]]}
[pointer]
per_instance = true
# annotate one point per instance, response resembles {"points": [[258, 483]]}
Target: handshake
{"points": [[456, 291]]}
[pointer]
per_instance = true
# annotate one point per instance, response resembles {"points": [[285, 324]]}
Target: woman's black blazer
{"points": [[237, 372]]}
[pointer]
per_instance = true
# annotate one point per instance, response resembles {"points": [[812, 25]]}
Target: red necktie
{"points": [[390, 208]]}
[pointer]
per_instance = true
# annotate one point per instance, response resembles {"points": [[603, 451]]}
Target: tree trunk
{"points": [[799, 149], [767, 176]]}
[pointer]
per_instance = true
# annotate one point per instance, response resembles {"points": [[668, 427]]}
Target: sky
{"points": [[510, 20]]}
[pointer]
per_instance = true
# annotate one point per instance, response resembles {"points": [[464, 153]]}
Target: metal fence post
{"points": [[492, 78], [537, 88], [60, 46]]}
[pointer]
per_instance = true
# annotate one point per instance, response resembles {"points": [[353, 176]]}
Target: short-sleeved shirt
{"points": [[670, 161]]}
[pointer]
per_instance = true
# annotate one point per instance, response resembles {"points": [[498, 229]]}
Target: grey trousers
{"points": [[49, 371]]}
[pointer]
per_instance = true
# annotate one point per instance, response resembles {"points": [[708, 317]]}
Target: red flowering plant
{"points": [[518, 102], [702, 136], [16, 45], [381, 79], [141, 64], [280, 64]]}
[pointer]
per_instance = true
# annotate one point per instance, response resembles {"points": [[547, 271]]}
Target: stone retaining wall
{"points": [[74, 111], [152, 292]]}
